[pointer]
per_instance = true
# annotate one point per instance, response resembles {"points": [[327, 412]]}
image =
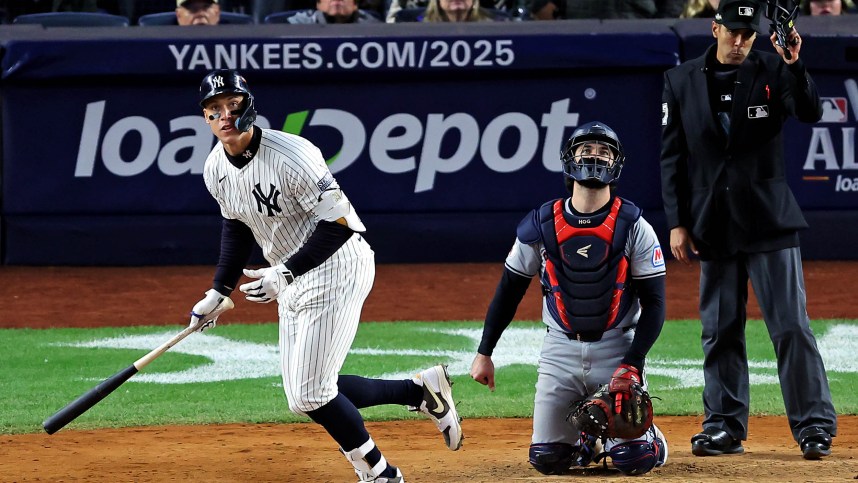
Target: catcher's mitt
{"points": [[604, 415]]}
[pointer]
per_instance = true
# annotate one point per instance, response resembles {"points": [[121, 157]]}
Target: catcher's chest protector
{"points": [[586, 268]]}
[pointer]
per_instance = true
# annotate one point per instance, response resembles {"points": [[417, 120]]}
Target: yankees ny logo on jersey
{"points": [[269, 200]]}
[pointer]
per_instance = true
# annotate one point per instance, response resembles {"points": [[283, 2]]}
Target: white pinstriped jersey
{"points": [[275, 194], [642, 249]]}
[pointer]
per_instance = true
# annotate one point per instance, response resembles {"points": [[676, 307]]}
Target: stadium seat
{"points": [[409, 15], [169, 18], [281, 17], [72, 19], [262, 8]]}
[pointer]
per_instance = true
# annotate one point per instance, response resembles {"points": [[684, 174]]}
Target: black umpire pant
{"points": [[778, 283]]}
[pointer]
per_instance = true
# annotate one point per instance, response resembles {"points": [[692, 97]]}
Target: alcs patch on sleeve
{"points": [[325, 181], [657, 257]]}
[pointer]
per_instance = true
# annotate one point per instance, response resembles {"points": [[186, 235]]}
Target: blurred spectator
{"points": [[547, 9], [21, 7], [603, 9], [397, 5], [670, 8], [334, 11], [825, 7], [700, 9], [457, 11], [197, 12]]}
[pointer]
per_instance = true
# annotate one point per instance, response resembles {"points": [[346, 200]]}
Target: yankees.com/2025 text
{"points": [[431, 54]]}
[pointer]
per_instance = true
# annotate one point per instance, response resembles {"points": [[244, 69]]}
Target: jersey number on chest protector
{"points": [[586, 269]]}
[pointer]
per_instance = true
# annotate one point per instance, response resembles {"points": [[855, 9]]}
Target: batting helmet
{"points": [[587, 167], [226, 81]]}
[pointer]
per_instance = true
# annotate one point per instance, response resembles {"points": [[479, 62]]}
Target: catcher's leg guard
{"points": [[552, 458], [637, 457]]}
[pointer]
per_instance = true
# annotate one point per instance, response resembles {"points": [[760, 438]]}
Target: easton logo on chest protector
{"points": [[586, 268]]}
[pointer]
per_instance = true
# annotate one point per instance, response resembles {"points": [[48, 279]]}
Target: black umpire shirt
{"points": [[723, 177]]}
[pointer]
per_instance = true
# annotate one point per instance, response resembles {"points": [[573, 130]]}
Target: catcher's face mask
{"points": [[782, 14], [593, 155]]}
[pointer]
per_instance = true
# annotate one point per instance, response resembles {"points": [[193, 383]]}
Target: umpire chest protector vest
{"points": [[586, 269]]}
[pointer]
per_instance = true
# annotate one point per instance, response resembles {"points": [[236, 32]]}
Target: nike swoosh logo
{"points": [[220, 180], [440, 407]]}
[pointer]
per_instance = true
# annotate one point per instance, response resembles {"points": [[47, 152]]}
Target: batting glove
{"points": [[621, 382], [270, 282], [204, 307]]}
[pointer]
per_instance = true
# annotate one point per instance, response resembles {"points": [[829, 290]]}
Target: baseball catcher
{"points": [[602, 275]]}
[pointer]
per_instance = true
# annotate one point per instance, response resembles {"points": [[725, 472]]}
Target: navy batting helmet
{"points": [[587, 167], [226, 81]]}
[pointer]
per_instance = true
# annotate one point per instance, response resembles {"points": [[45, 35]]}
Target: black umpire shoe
{"points": [[814, 442], [714, 442]]}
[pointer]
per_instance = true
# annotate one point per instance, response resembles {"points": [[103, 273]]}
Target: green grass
{"points": [[43, 371]]}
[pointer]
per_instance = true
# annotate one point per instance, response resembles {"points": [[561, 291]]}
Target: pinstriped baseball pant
{"points": [[319, 316]]}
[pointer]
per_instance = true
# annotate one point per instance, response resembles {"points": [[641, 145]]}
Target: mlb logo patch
{"points": [[834, 109], [746, 11], [758, 112], [657, 257]]}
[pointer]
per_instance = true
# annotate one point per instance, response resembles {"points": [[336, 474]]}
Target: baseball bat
{"points": [[92, 397]]}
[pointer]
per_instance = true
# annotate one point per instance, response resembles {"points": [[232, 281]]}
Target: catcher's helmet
{"points": [[230, 81], [588, 167]]}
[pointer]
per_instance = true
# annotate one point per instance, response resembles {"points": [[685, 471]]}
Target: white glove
{"points": [[271, 281], [204, 307]]}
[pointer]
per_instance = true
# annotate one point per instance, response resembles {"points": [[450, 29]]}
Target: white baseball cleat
{"points": [[380, 479], [438, 404]]}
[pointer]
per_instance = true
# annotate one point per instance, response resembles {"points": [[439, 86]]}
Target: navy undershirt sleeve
{"points": [[509, 293], [326, 239], [236, 245], [650, 291]]}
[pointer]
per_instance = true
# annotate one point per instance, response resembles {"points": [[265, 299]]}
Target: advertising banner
{"points": [[443, 139], [439, 147]]}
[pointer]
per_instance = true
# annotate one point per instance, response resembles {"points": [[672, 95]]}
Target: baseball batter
{"points": [[275, 189], [602, 277]]}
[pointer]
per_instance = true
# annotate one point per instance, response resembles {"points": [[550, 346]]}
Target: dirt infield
{"points": [[494, 450]]}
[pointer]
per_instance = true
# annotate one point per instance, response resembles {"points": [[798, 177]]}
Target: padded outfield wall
{"points": [[443, 136]]}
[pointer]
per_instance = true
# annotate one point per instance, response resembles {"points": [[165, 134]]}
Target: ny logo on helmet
{"points": [[217, 81]]}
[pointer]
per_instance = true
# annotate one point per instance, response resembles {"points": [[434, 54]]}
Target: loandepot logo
{"points": [[403, 142], [233, 360], [400, 143]]}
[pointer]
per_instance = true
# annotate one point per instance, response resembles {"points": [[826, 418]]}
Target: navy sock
{"points": [[343, 422], [364, 392]]}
